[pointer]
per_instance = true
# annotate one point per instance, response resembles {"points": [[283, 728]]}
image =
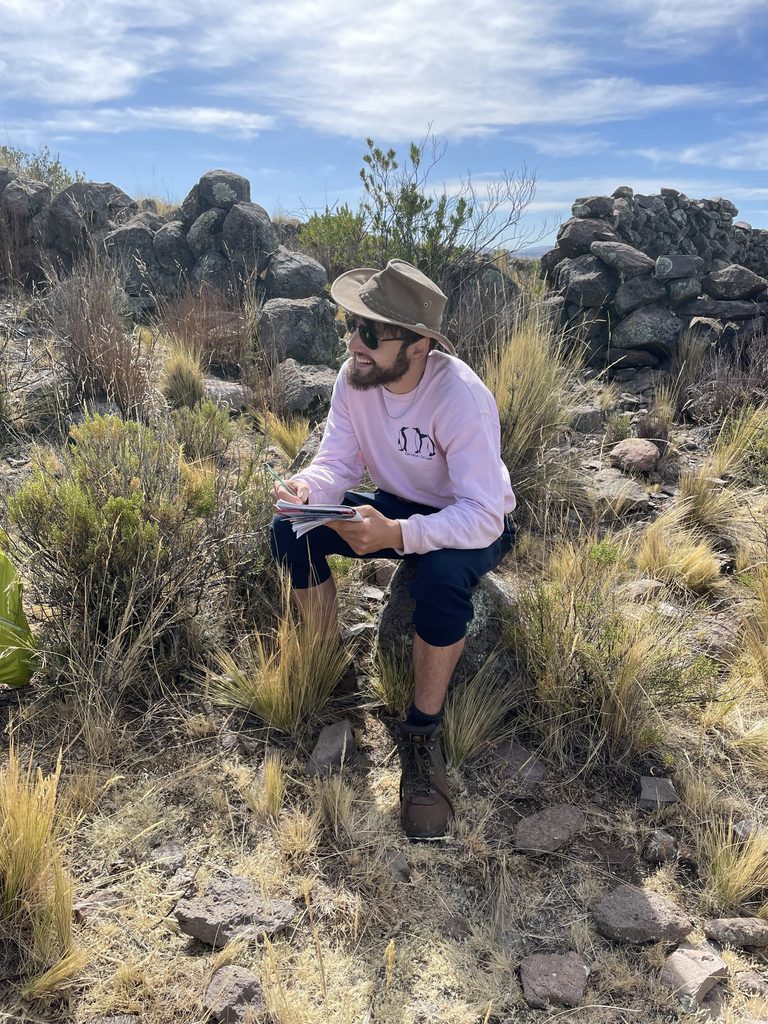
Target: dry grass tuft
{"points": [[392, 682], [284, 677], [287, 432], [35, 888], [681, 557], [475, 713], [735, 871], [182, 382]]}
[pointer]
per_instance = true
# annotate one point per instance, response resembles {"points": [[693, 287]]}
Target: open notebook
{"points": [[307, 517]]}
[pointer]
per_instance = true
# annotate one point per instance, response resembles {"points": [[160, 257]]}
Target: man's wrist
{"points": [[397, 534]]}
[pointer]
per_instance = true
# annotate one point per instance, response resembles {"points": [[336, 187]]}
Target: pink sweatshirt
{"points": [[437, 445]]}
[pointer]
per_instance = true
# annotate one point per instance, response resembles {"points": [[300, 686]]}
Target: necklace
{"points": [[408, 407]]}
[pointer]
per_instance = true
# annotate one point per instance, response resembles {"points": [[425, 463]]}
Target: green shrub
{"points": [[337, 239], [121, 538], [42, 165], [618, 427], [204, 432]]}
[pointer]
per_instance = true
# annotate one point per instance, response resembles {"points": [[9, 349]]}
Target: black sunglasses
{"points": [[367, 333]]}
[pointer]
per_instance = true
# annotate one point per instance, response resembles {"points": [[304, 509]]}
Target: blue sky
{"points": [[586, 96]]}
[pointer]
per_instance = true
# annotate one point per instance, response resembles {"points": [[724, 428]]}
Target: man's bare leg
{"points": [[432, 671], [318, 605]]}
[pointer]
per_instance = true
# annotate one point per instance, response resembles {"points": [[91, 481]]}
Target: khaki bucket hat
{"points": [[399, 294]]}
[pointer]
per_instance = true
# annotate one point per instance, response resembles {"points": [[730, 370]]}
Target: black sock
{"points": [[421, 719]]}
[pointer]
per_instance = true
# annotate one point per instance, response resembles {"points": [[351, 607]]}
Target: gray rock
{"points": [[23, 198], [656, 793], [720, 309], [309, 449], [629, 358], [249, 238], [301, 388], [75, 214], [587, 418], [683, 289], [522, 769], [691, 971], [628, 261], [234, 995], [228, 394], [752, 984], [493, 602], [548, 830], [397, 864], [577, 235], [629, 914], [214, 270], [206, 232], [623, 192], [617, 494], [456, 928], [6, 176], [735, 282], [635, 455], [229, 909], [172, 251], [553, 979], [738, 931], [292, 275], [636, 292], [676, 265], [661, 847], [639, 590], [300, 329], [167, 859], [335, 747], [191, 208], [224, 189], [586, 280], [593, 206], [132, 251], [651, 327]]}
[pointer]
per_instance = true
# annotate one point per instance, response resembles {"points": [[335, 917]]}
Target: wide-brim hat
{"points": [[400, 294]]}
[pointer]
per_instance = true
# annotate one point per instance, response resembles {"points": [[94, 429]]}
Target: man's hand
{"points": [[298, 496], [375, 533]]}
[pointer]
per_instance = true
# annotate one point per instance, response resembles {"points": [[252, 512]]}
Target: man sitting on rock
{"points": [[427, 429]]}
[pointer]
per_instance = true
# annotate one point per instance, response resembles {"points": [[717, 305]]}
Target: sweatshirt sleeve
{"points": [[339, 463], [476, 518]]}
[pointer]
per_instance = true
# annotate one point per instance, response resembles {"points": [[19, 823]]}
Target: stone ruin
{"points": [[630, 273]]}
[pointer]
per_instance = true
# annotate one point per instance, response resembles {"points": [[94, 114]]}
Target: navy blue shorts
{"points": [[444, 580]]}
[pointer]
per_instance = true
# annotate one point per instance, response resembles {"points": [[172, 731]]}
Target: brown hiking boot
{"points": [[424, 803]]}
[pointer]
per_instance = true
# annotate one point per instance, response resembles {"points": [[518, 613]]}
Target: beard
{"points": [[376, 375]]}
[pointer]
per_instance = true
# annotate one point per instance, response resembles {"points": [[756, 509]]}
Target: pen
{"points": [[284, 483]]}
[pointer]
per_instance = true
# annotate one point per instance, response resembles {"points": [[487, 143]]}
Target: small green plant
{"points": [[204, 432], [618, 427]]}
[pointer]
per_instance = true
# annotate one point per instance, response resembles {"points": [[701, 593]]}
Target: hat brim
{"points": [[345, 291]]}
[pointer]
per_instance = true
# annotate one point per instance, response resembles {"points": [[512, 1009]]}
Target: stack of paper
{"points": [[307, 517]]}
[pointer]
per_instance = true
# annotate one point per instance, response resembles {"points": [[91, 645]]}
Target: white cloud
{"points": [[114, 121], [737, 153], [694, 23], [565, 143], [387, 68]]}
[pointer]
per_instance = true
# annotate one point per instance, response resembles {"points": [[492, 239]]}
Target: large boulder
{"points": [[214, 270], [577, 235], [493, 601], [651, 327], [586, 280], [205, 235], [224, 189], [75, 214], [292, 275], [625, 259], [23, 198], [734, 282], [249, 238], [676, 265], [191, 208], [119, 204], [304, 389], [6, 176], [683, 288], [300, 329], [132, 251], [171, 249], [636, 292], [593, 206], [721, 309]]}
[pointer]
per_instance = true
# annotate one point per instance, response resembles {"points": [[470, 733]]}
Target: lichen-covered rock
{"points": [[132, 250], [586, 280], [738, 931], [224, 189], [677, 265], [683, 289], [593, 206], [734, 282], [625, 259], [172, 251], [301, 388], [205, 234], [23, 198], [636, 292]]}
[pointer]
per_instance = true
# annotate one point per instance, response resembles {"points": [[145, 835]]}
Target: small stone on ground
{"points": [[554, 979]]}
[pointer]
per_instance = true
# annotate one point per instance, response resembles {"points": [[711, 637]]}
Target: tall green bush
{"points": [[42, 165]]}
